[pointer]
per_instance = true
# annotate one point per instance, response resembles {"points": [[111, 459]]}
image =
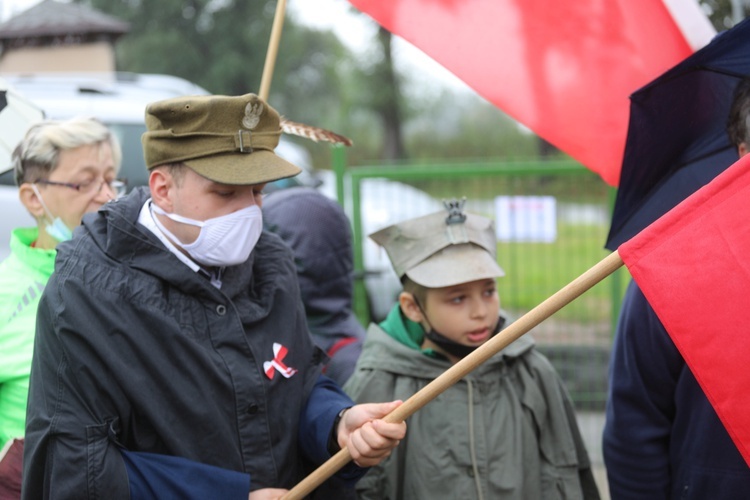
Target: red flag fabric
{"points": [[693, 266], [563, 69]]}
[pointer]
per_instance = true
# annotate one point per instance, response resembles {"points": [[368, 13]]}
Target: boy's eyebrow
{"points": [[460, 287]]}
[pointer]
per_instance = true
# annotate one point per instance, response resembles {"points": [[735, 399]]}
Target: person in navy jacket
{"points": [[662, 438]]}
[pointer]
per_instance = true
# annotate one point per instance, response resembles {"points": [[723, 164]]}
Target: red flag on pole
{"points": [[563, 69], [693, 266]]}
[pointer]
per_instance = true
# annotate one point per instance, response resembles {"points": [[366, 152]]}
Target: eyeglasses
{"points": [[118, 186]]}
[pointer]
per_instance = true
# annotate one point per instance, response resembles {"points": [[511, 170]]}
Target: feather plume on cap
{"points": [[314, 133]]}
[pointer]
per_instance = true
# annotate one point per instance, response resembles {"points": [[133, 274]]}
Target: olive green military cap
{"points": [[227, 139]]}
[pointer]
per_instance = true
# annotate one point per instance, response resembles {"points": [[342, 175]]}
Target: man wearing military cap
{"points": [[173, 358]]}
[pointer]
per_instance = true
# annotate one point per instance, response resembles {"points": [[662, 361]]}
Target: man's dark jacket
{"points": [[135, 351]]}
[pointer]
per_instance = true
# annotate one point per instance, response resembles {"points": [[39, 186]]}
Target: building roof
{"points": [[52, 19]]}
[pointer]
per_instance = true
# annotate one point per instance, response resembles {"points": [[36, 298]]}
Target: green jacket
{"points": [[505, 431], [23, 276]]}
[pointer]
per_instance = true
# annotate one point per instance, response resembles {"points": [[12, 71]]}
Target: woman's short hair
{"points": [[38, 153]]}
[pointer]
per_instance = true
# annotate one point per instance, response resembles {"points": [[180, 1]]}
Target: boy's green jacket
{"points": [[506, 431], [23, 276]]}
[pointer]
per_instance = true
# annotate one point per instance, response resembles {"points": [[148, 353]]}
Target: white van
{"points": [[119, 100]]}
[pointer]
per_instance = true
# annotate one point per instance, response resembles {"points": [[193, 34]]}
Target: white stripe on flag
{"points": [[692, 21]]}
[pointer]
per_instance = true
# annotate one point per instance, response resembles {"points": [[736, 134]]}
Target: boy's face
{"points": [[466, 313]]}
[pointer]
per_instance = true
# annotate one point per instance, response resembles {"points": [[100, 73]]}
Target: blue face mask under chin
{"points": [[59, 230]]}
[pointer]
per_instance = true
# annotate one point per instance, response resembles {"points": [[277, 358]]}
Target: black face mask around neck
{"points": [[454, 348]]}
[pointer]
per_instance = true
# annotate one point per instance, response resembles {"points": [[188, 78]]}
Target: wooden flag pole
{"points": [[560, 299], [273, 49]]}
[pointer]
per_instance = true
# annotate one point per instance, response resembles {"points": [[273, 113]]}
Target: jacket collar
{"points": [[41, 259], [115, 230], [383, 352]]}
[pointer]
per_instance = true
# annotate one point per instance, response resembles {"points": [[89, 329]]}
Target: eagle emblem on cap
{"points": [[455, 210], [252, 115]]}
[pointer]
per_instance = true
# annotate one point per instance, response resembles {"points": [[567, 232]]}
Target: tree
{"points": [[725, 13], [385, 99]]}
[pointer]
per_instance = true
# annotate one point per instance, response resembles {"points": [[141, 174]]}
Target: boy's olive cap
{"points": [[442, 249], [226, 139]]}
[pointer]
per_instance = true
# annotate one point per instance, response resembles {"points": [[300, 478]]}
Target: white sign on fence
{"points": [[525, 219]]}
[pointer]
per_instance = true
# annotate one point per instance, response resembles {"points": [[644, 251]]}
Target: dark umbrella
{"points": [[17, 114], [677, 139]]}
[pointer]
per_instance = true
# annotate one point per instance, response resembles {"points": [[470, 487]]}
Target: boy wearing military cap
{"points": [[508, 429], [172, 357]]}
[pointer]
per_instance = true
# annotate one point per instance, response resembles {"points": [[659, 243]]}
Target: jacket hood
{"points": [[115, 230], [318, 232]]}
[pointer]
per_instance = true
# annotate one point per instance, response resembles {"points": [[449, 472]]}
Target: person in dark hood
{"points": [[172, 357], [319, 233]]}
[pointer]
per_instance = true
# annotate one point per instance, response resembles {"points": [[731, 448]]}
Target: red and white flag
{"points": [[693, 266], [563, 69]]}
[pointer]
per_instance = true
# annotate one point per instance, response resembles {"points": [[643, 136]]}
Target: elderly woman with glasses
{"points": [[64, 169]]}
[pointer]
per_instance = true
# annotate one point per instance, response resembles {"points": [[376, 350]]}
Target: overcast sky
{"points": [[8, 8]]}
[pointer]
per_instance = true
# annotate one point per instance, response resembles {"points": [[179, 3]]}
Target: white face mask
{"points": [[222, 241]]}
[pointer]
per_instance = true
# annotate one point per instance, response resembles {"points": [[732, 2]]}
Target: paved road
{"points": [[591, 425]]}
